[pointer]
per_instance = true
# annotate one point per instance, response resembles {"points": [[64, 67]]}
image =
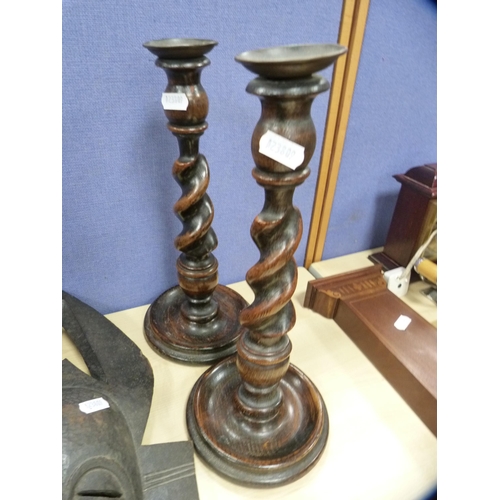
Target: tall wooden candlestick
{"points": [[254, 417], [197, 321]]}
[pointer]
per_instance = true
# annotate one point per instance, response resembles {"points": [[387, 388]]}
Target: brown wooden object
{"points": [[414, 218], [197, 321], [255, 418], [359, 302]]}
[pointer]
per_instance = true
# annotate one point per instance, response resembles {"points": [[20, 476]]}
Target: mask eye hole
{"points": [[98, 484], [99, 494]]}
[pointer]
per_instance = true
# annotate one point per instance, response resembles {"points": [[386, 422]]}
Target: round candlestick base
{"points": [[259, 454], [171, 334]]}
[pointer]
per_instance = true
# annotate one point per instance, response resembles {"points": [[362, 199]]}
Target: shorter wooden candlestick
{"points": [[197, 321]]}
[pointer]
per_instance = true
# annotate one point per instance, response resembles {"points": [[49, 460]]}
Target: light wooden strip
{"points": [[345, 30], [358, 31]]}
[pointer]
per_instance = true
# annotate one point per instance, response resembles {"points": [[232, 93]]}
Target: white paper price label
{"points": [[402, 322], [93, 405], [173, 101], [280, 149]]}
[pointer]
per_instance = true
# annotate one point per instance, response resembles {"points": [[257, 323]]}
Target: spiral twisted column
{"points": [[254, 417], [196, 321]]}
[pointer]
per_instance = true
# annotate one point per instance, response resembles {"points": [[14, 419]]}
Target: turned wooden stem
{"points": [[264, 352], [196, 322], [196, 267]]}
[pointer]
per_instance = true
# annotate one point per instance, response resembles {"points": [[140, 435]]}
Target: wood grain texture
{"points": [[197, 321], [359, 302], [254, 418]]}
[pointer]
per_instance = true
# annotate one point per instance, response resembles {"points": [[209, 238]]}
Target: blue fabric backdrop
{"points": [[118, 191]]}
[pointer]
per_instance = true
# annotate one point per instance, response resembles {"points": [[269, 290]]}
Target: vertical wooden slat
{"points": [[351, 33], [344, 36]]}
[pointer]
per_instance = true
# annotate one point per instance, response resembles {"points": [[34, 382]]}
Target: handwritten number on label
{"points": [[282, 150], [174, 101], [93, 405]]}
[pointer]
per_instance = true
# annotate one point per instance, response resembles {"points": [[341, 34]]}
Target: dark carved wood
{"points": [[102, 451], [197, 321], [255, 418], [359, 302], [414, 216]]}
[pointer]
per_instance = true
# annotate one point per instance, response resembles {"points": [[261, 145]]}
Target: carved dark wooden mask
{"points": [[104, 416]]}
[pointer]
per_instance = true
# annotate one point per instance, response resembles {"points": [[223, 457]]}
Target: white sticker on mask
{"points": [[93, 405]]}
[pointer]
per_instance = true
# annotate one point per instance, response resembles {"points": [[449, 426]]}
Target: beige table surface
{"points": [[377, 447]]}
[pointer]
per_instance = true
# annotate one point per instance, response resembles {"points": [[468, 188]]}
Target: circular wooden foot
{"points": [[197, 340], [253, 453]]}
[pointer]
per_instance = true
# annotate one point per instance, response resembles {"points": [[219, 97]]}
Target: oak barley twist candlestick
{"points": [[196, 321], [254, 417]]}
